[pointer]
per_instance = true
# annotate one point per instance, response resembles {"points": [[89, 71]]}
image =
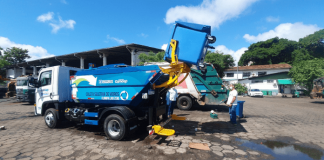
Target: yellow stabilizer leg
{"points": [[159, 130], [175, 117]]}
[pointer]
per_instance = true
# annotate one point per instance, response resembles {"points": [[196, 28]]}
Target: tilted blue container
{"points": [[192, 42]]}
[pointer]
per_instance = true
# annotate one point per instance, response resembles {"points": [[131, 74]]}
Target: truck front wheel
{"points": [[51, 118], [184, 103], [115, 127]]}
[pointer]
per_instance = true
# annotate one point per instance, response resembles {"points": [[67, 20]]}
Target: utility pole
{"points": [[237, 72]]}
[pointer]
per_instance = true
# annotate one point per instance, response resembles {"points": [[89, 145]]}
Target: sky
{"points": [[58, 27]]}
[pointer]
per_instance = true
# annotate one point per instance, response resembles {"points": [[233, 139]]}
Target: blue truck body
{"points": [[115, 84]]}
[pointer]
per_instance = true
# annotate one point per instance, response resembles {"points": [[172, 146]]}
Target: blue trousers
{"points": [[232, 113], [171, 107]]}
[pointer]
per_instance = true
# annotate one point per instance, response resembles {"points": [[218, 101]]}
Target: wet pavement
{"points": [[274, 128], [280, 150]]}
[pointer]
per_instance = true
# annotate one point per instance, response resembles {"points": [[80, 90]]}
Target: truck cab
{"points": [[53, 86], [24, 92]]}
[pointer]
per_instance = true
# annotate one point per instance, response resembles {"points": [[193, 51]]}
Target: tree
{"points": [[304, 72], [275, 50], [313, 44], [151, 57], [220, 61], [271, 51], [12, 55], [240, 88], [15, 55]]}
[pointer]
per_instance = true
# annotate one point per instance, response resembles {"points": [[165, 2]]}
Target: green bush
{"points": [[240, 88]]}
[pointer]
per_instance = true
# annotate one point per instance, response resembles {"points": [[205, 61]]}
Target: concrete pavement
{"points": [[297, 122]]}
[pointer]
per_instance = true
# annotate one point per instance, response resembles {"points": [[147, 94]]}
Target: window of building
{"points": [[262, 73], [270, 81], [229, 74], [246, 74], [257, 81], [46, 78]]}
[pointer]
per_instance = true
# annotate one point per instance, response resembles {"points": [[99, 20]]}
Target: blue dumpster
{"points": [[193, 42], [239, 109]]}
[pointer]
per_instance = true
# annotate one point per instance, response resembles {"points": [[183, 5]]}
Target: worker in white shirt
{"points": [[171, 98], [232, 103]]}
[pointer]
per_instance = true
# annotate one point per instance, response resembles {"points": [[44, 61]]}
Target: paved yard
{"points": [[274, 128]]}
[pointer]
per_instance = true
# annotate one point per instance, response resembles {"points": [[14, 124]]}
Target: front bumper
{"points": [[257, 95], [25, 98]]}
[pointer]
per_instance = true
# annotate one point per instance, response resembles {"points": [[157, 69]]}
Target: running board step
{"points": [[159, 130], [175, 117]]}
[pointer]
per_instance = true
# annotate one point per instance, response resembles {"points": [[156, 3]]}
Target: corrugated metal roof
{"points": [[120, 51]]}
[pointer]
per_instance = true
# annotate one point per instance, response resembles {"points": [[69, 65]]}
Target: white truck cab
{"points": [[53, 86]]}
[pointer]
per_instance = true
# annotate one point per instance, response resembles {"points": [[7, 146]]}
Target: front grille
{"points": [[19, 91]]}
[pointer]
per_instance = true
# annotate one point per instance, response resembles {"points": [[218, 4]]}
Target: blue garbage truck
{"points": [[118, 97]]}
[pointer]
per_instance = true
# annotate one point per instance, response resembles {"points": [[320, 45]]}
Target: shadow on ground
{"points": [[318, 102]]}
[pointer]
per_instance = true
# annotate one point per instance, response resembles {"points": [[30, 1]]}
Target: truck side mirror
{"points": [[33, 82]]}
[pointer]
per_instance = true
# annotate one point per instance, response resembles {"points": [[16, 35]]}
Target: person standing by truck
{"points": [[232, 104], [171, 98]]}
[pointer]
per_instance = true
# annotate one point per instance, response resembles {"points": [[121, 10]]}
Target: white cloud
{"points": [[56, 25], [272, 19], [143, 35], [120, 41], [291, 31], [45, 17], [289, 150], [164, 46], [64, 1], [35, 52], [235, 54], [62, 24], [209, 12]]}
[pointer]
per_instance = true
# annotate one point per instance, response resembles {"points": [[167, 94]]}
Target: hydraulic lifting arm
{"points": [[175, 70]]}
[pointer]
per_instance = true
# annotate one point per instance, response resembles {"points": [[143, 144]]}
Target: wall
{"points": [[264, 86], [12, 74], [255, 72]]}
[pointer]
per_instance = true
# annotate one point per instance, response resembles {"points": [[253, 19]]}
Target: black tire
{"points": [[115, 127], [184, 103], [50, 118]]}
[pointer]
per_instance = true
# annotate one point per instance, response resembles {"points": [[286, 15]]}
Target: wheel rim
{"points": [[113, 127], [184, 103], [49, 119]]}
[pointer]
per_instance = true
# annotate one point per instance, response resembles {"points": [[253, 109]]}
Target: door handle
{"points": [[51, 95]]}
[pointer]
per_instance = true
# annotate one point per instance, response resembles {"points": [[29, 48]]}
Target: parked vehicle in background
{"points": [[203, 87], [317, 91], [24, 92], [255, 93]]}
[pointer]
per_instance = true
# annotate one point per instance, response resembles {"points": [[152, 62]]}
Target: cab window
{"points": [[46, 78]]}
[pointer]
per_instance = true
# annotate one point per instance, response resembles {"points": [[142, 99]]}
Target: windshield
{"points": [[254, 90], [22, 82]]}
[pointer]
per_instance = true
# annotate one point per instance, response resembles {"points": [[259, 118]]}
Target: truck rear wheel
{"points": [[184, 103], [51, 118], [115, 127]]}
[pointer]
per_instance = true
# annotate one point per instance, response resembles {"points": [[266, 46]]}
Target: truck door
{"points": [[44, 91]]}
